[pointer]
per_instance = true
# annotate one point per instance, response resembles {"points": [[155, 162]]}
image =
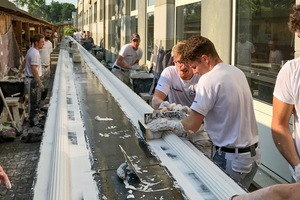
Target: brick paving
{"points": [[19, 160]]}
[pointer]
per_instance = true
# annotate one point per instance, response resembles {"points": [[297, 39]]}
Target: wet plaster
{"points": [[110, 129]]}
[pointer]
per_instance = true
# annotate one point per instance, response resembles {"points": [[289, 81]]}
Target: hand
{"points": [[163, 124], [4, 178], [136, 67], [40, 86], [297, 173], [163, 105]]}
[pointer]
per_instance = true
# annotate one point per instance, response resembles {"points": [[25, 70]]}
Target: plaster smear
{"points": [[102, 119]]}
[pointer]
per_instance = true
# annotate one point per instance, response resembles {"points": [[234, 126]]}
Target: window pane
{"points": [[150, 2], [150, 34], [188, 21], [134, 24], [95, 12], [263, 43], [134, 5]]}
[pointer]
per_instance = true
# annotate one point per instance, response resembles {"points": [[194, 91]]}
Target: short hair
{"points": [[47, 28], [197, 46], [37, 38], [294, 20], [178, 48]]}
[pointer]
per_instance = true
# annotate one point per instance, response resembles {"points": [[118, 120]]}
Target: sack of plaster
{"points": [[31, 134]]}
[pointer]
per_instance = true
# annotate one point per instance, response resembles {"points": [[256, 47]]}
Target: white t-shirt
{"points": [[179, 91], [287, 90], [45, 53], [130, 55], [275, 57], [224, 98], [32, 58], [245, 51]]}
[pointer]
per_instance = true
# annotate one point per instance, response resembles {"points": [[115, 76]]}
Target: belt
{"points": [[239, 150], [28, 76], [117, 67]]}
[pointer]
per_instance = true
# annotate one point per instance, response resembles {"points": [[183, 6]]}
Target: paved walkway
{"points": [[19, 160]]}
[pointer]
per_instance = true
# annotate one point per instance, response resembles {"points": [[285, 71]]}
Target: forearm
{"points": [[156, 101], [193, 121], [284, 142], [122, 64]]}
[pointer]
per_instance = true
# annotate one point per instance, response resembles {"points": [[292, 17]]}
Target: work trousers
{"points": [[241, 167]]}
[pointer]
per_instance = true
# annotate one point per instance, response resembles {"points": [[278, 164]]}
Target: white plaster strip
{"points": [[56, 178], [135, 107]]}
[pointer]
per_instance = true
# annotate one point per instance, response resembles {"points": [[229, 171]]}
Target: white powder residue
{"points": [[102, 119]]}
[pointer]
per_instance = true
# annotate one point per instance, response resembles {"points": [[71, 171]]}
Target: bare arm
{"points": [[275, 192], [35, 73], [158, 98], [193, 121], [281, 133], [121, 63]]}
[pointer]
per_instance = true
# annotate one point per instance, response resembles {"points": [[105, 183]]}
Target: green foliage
{"points": [[68, 30], [55, 13]]}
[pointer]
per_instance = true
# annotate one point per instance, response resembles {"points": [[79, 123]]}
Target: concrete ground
{"points": [[19, 160]]}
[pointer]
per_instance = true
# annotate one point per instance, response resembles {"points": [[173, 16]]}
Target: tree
{"points": [[29, 3]]}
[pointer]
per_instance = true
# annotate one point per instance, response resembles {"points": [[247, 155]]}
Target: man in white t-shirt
{"points": [[275, 56], [178, 83], [55, 39], [245, 51], [224, 100], [286, 101], [128, 59], [45, 53], [33, 71]]}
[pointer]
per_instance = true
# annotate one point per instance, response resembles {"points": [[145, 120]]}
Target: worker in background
{"points": [[45, 54], [128, 59], [178, 83], [286, 101], [33, 71], [224, 99], [55, 39], [88, 41]]}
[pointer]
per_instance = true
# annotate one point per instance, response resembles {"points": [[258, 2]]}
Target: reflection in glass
{"points": [[150, 34], [263, 42], [134, 24], [134, 5], [150, 2], [188, 21]]}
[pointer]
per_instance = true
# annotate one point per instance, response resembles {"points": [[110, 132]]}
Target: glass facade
{"points": [[150, 34], [134, 24], [188, 22], [150, 2], [134, 5], [263, 43]]}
